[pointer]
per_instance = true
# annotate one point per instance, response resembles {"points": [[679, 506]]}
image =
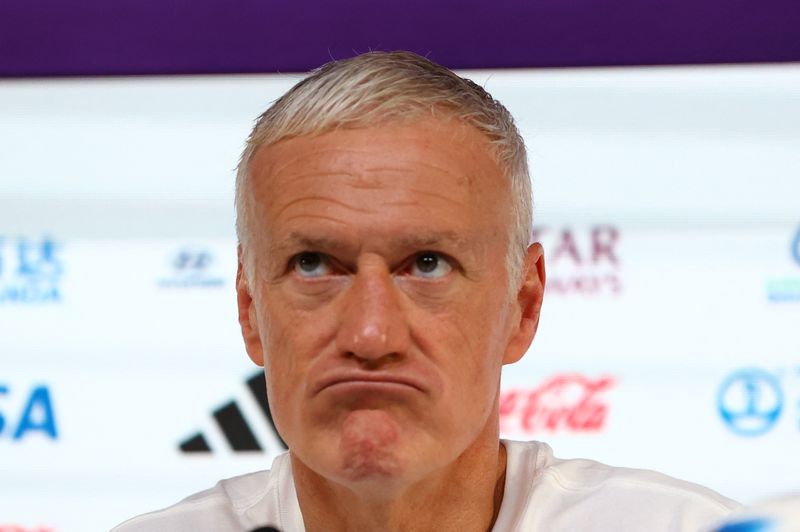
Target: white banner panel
{"points": [[666, 201]]}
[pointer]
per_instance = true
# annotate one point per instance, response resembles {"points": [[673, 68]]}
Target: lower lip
{"points": [[377, 387]]}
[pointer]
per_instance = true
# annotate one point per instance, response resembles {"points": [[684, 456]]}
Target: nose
{"points": [[373, 327]]}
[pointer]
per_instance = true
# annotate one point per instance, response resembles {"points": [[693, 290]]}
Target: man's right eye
{"points": [[311, 264]]}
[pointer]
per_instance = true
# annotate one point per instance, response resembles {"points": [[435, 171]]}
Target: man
{"points": [[385, 276]]}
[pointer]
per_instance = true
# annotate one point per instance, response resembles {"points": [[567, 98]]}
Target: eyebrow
{"points": [[300, 240], [427, 240]]}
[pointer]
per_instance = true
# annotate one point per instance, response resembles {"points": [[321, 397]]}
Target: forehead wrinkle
{"points": [[317, 217], [432, 194], [280, 161], [266, 181], [357, 168], [424, 169], [322, 173], [274, 167], [418, 164], [323, 199]]}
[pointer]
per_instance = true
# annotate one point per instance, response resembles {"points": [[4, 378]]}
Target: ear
{"points": [[248, 319], [529, 301]]}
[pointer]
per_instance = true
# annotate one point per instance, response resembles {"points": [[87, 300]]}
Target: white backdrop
{"points": [[668, 202]]}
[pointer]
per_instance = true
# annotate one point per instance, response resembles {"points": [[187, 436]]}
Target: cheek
{"points": [[288, 350], [293, 334], [467, 342], [291, 339], [479, 324]]}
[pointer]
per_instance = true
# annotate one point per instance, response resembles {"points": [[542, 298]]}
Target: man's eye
{"points": [[311, 264], [430, 265]]}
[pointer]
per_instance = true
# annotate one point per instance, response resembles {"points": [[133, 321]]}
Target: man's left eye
{"points": [[431, 265]]}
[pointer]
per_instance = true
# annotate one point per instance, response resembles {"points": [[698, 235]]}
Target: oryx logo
{"points": [[750, 401], [238, 432]]}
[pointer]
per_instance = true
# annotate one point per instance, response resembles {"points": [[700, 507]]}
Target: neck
{"points": [[464, 496]]}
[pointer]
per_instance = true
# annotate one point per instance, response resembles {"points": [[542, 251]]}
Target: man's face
{"points": [[380, 306]]}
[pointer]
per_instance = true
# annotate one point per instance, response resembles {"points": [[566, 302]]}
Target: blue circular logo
{"points": [[750, 401], [796, 247], [749, 525]]}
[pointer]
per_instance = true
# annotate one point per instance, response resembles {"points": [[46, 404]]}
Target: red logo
{"points": [[568, 402], [581, 262], [20, 528]]}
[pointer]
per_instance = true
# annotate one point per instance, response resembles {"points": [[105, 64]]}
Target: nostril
{"points": [[372, 363]]}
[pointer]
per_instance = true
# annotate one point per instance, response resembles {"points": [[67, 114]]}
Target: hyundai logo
{"points": [[750, 401]]}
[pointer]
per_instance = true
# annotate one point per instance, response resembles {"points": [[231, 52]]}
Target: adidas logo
{"points": [[234, 426]]}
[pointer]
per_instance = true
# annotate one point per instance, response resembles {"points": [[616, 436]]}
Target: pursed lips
{"points": [[365, 378]]}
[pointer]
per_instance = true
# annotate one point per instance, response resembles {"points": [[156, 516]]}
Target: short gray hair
{"points": [[390, 87]]}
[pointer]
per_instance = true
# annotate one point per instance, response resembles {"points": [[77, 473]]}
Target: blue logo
{"points": [[192, 268], [750, 401], [786, 289], [749, 525], [37, 415], [30, 270]]}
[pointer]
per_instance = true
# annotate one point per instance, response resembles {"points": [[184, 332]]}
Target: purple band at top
{"points": [[122, 37]]}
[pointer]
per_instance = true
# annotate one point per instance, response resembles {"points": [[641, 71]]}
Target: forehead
{"points": [[437, 170]]}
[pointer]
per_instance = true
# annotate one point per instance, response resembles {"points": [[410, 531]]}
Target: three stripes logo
{"points": [[234, 426]]}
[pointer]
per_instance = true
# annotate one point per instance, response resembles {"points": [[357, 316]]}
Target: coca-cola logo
{"points": [[581, 261], [20, 528], [567, 402]]}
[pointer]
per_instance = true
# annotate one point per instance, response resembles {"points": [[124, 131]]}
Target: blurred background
{"points": [[664, 142]]}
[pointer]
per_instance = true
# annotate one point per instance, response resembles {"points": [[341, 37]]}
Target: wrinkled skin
{"points": [[381, 313]]}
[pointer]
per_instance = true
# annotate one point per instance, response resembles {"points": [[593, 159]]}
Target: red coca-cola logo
{"points": [[20, 528], [567, 402]]}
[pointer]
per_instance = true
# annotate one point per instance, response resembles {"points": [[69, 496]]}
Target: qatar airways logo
{"points": [[568, 402], [581, 261]]}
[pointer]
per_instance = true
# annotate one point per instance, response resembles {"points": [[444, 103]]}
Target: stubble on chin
{"points": [[368, 446]]}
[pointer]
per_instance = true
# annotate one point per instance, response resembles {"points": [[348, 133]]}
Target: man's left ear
{"points": [[529, 301]]}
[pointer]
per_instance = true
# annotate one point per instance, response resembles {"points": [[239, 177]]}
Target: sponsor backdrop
{"points": [[667, 200]]}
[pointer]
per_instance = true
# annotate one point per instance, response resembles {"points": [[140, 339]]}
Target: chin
{"points": [[360, 465], [370, 448], [379, 476]]}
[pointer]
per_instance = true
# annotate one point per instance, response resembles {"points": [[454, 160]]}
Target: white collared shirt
{"points": [[542, 494]]}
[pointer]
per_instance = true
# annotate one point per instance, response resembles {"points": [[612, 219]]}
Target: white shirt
{"points": [[542, 494]]}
